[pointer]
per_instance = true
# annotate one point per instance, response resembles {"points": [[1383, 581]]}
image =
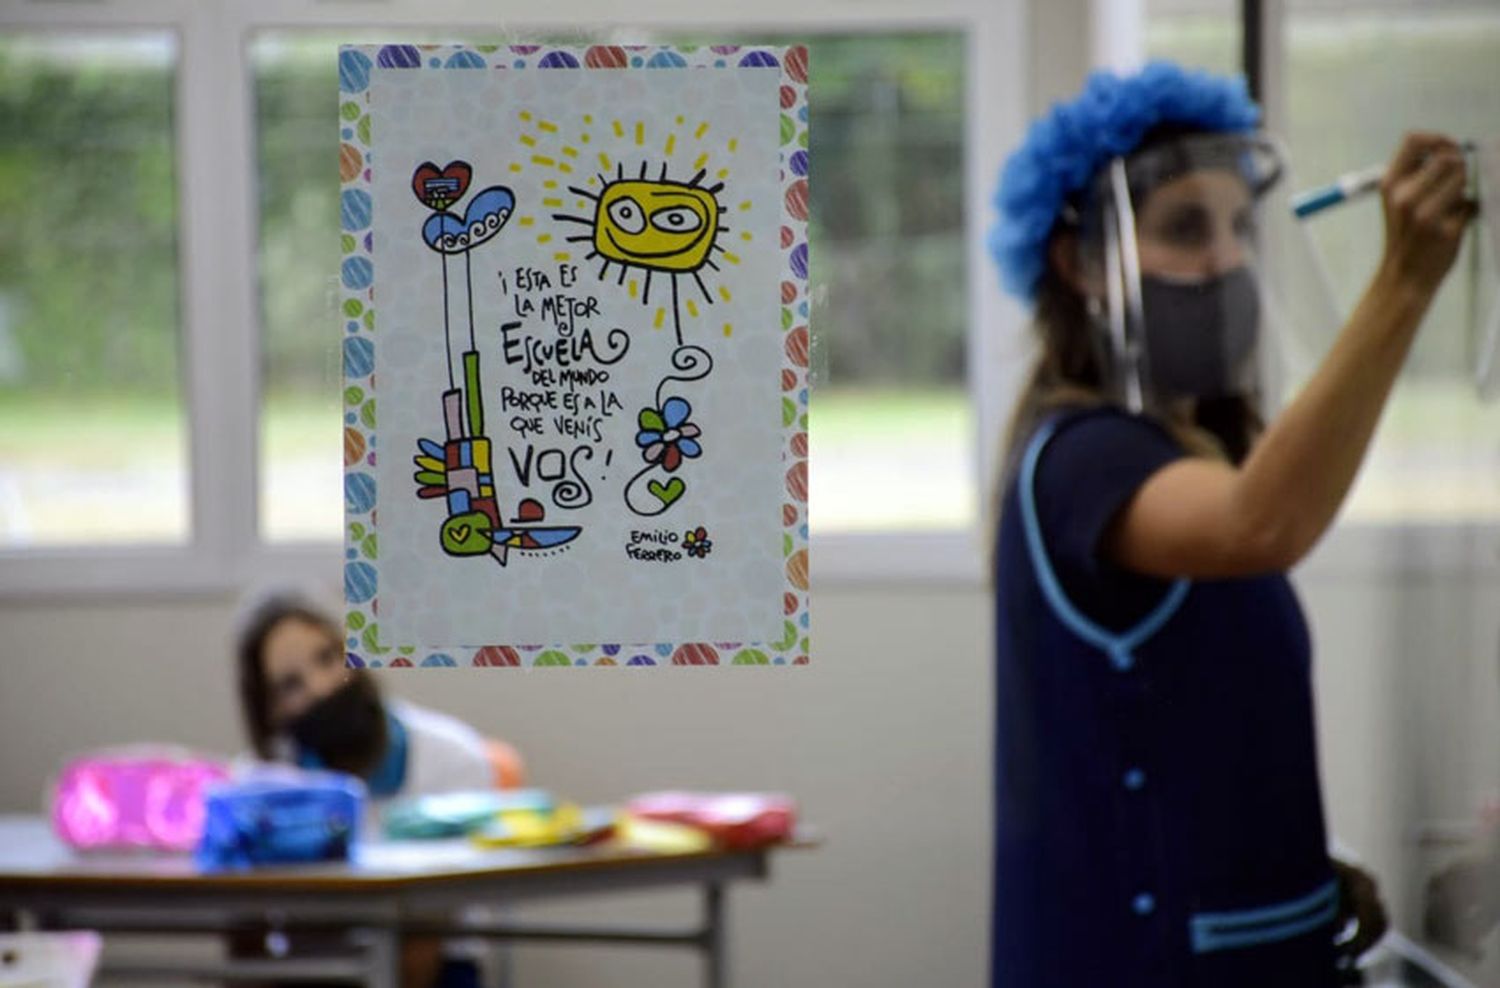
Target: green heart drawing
{"points": [[668, 492], [466, 534]]}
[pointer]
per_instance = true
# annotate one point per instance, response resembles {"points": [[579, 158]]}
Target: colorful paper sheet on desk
{"points": [[660, 836], [566, 823], [736, 821], [575, 287], [459, 813]]}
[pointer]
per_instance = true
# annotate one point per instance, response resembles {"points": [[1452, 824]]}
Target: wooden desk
{"points": [[392, 888]]}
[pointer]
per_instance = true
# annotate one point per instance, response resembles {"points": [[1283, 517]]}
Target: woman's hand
{"points": [[1426, 211], [1359, 902], [1203, 519]]}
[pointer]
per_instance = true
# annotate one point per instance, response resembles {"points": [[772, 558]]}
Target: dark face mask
{"points": [[1199, 334], [346, 729]]}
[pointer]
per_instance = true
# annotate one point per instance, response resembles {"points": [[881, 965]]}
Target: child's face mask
{"points": [[345, 730]]}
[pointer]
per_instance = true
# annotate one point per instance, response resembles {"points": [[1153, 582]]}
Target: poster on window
{"points": [[575, 347]]}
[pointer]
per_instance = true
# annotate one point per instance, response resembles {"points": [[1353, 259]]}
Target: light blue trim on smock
{"points": [[1119, 646], [1282, 921]]}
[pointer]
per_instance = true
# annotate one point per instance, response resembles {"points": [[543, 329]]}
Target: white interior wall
{"points": [[1408, 679], [884, 741]]}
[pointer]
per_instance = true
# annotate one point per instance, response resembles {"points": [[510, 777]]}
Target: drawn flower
{"points": [[697, 542], [666, 436]]}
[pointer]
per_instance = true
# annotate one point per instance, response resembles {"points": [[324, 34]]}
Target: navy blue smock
{"points": [[1158, 815]]}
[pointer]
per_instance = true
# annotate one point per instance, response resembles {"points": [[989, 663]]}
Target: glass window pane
{"points": [[301, 427], [890, 411], [91, 411], [1204, 34], [1360, 75], [892, 424], [301, 466]]}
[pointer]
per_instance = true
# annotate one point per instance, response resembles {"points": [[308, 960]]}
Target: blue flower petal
{"points": [[646, 438], [689, 447], [675, 412]]}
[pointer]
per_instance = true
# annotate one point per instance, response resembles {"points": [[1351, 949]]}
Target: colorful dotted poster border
{"points": [[360, 334]]}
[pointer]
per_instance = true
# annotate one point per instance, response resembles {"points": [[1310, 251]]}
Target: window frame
{"points": [[220, 320], [215, 328], [217, 278]]}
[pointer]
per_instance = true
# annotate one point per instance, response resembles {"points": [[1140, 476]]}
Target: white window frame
{"points": [[1009, 45], [218, 231]]}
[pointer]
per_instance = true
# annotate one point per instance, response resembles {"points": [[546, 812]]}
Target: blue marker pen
{"points": [[1348, 186]]}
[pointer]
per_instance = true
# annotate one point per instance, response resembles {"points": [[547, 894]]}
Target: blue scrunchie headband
{"points": [[1064, 148]]}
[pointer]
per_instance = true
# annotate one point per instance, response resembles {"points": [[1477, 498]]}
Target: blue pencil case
{"points": [[275, 817]]}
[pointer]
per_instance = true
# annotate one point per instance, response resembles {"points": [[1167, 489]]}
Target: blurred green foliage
{"points": [[88, 220]]}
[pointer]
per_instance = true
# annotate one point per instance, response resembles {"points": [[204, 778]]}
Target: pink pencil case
{"points": [[138, 798]]}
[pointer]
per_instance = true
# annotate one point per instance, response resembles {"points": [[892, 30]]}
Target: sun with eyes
{"points": [[660, 227], [656, 225], [648, 231]]}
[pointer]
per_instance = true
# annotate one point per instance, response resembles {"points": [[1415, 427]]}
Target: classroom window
{"points": [[301, 466], [892, 421], [1362, 75], [296, 157], [891, 416], [1204, 34], [92, 425], [1357, 75]]}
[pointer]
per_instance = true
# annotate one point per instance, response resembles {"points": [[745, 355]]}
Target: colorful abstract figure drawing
{"points": [[461, 469], [659, 225]]}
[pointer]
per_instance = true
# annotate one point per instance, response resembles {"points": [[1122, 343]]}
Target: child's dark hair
{"points": [[254, 628]]}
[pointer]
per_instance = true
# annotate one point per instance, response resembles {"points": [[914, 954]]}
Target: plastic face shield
{"points": [[1174, 248]]}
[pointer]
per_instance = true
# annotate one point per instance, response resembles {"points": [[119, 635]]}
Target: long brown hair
{"points": [[250, 639]]}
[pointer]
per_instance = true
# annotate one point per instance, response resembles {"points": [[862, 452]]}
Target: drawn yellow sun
{"points": [[660, 227], [657, 226]]}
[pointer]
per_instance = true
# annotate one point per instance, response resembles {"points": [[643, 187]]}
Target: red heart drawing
{"points": [[440, 189]]}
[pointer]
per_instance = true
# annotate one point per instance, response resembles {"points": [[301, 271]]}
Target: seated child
{"points": [[302, 705]]}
